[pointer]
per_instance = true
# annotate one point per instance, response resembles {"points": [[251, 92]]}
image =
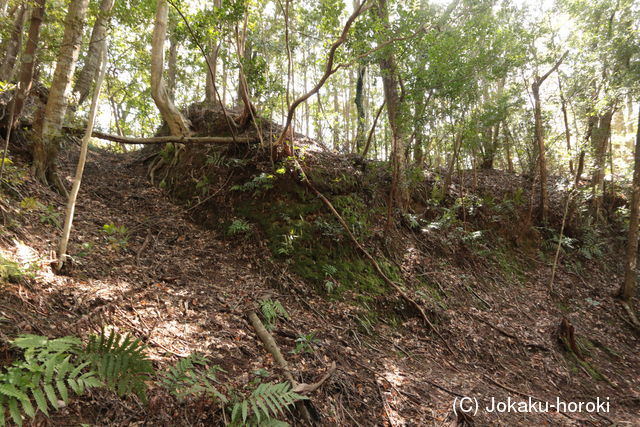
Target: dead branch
{"points": [[170, 139]]}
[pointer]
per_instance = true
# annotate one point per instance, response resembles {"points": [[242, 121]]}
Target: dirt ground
{"points": [[182, 288]]}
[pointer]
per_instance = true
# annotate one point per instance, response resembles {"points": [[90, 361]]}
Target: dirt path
{"points": [[185, 289]]}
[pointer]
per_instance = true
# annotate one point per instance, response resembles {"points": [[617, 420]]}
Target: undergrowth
{"points": [[51, 371]]}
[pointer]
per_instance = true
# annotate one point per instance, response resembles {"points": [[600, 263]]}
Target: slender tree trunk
{"points": [[210, 93], [75, 188], [630, 274], [14, 45], [244, 51], [452, 163], [567, 130], [399, 186], [336, 122], [47, 132], [178, 124], [539, 138], [28, 59], [599, 139], [360, 111], [92, 60]]}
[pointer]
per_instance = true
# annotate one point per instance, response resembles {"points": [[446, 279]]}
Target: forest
{"points": [[280, 212]]}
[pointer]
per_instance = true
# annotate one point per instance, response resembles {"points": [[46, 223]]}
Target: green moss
{"points": [[301, 232], [10, 270]]}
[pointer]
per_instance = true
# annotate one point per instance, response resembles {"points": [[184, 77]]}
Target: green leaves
{"points": [[266, 402], [51, 367], [192, 377], [120, 362]]}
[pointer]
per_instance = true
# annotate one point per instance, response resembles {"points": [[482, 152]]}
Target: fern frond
{"points": [[266, 402], [120, 363], [192, 376], [48, 366]]}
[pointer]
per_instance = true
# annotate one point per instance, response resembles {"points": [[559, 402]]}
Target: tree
{"points": [[48, 130], [92, 60], [13, 46], [630, 274], [539, 138], [390, 81], [28, 59], [178, 124]]}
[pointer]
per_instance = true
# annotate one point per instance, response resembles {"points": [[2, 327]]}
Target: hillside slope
{"points": [[182, 278]]}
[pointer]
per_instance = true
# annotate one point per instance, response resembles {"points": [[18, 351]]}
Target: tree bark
{"points": [[28, 60], [92, 61], [13, 47], [212, 60], [178, 124], [172, 60], [46, 138], [630, 274]]}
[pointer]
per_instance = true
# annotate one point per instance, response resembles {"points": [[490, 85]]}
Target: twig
{"points": [[143, 247]]}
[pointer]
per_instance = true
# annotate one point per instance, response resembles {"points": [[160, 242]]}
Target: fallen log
{"points": [[169, 139]]}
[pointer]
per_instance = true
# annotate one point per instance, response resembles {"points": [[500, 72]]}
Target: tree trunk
{"points": [[13, 47], [539, 139], [489, 154], [399, 185], [245, 51], [567, 131], [92, 60], [542, 165], [47, 131], [209, 90], [172, 60], [628, 288], [75, 188], [28, 60], [600, 135], [360, 111], [452, 163], [178, 124]]}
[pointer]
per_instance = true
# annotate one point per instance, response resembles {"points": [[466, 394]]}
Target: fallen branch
{"points": [[172, 139], [272, 347], [632, 316]]}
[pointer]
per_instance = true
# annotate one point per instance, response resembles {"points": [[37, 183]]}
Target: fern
{"points": [[191, 376], [265, 403], [44, 376], [271, 310], [120, 362]]}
